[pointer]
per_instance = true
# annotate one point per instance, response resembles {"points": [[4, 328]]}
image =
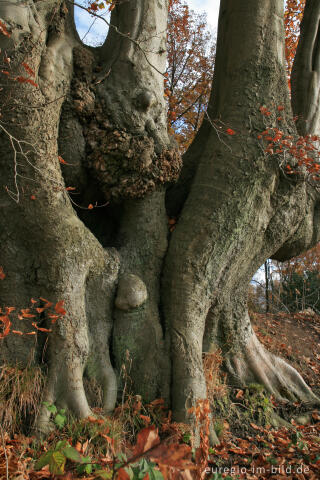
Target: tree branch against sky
{"points": [[98, 31], [211, 7]]}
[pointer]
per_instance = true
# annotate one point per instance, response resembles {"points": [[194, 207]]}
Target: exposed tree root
{"points": [[81, 341], [257, 365], [65, 390]]}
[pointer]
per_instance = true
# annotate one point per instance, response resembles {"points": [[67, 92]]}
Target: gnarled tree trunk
{"points": [[164, 298], [241, 209]]}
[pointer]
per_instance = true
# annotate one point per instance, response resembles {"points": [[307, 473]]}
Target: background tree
{"points": [[191, 52], [300, 292], [95, 120], [292, 21], [300, 281]]}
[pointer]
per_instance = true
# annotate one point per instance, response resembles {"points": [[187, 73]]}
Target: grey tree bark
{"points": [[240, 209], [127, 284]]}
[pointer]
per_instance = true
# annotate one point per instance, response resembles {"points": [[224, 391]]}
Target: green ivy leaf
{"points": [[50, 408], [60, 420]]}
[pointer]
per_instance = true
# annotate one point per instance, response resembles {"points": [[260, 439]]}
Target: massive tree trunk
{"points": [[45, 249], [240, 210], [177, 295]]}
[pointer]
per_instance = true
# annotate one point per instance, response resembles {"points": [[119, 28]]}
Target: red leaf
{"points": [[3, 30], [146, 439], [253, 425], [230, 131], [157, 401], [17, 332], [2, 274], [173, 455], [9, 310], [53, 317], [21, 79], [34, 84], [93, 7], [7, 324], [146, 419], [239, 394], [47, 303], [26, 314], [59, 308], [62, 161], [122, 475], [28, 69], [33, 197], [41, 329]]}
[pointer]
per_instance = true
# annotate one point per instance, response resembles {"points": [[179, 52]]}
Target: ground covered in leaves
{"points": [[259, 438]]}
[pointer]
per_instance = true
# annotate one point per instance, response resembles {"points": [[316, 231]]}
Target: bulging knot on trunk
{"points": [[145, 100], [132, 292], [127, 165], [128, 151]]}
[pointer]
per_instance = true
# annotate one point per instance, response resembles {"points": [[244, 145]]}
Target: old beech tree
{"points": [[127, 283]]}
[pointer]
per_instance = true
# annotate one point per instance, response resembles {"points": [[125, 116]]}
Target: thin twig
{"points": [[43, 105], [217, 131], [87, 208], [17, 147]]}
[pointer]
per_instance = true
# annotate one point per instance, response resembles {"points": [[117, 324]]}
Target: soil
{"points": [[296, 338]]}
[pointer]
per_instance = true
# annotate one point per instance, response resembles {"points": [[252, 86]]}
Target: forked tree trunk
{"points": [[103, 110]]}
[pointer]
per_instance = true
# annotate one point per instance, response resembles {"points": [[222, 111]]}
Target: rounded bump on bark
{"points": [[132, 292], [145, 99]]}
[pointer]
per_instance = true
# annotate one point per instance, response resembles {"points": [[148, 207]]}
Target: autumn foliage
{"points": [[292, 20], [32, 314], [191, 53], [307, 261]]}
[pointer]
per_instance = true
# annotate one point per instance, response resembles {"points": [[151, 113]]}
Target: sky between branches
{"points": [[98, 29]]}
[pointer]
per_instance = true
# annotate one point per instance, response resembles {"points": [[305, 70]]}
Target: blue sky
{"points": [[99, 28]]}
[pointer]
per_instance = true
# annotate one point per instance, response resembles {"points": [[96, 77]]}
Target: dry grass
{"points": [[93, 391], [20, 397], [215, 381]]}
